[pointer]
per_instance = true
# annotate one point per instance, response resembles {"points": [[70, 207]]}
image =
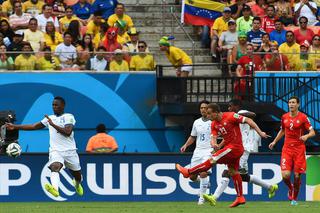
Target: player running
{"points": [[227, 125], [62, 149], [294, 124], [200, 133], [250, 139]]}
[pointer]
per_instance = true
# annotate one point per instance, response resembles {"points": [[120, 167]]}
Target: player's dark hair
{"points": [[214, 107], [295, 97], [59, 98], [203, 102], [236, 102], [100, 128]]}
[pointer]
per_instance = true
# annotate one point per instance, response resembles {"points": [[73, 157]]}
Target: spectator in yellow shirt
{"points": [[291, 49], [101, 36], [123, 36], [93, 26], [118, 63], [65, 21], [26, 60], [142, 61], [33, 7], [178, 58], [306, 62], [220, 25], [7, 7], [51, 37], [34, 36], [119, 15], [48, 62]]}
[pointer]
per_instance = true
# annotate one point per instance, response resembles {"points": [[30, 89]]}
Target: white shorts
{"points": [[186, 68], [244, 160], [69, 159], [199, 157]]}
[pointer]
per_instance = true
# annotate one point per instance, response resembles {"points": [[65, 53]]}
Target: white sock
{"points": [[204, 185], [55, 180], [259, 182], [221, 187]]}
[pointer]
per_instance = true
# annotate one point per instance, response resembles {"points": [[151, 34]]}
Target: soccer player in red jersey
{"points": [[225, 124], [294, 125]]}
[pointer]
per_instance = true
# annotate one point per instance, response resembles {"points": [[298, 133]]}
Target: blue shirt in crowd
{"points": [[255, 37], [279, 37], [82, 12], [105, 6]]}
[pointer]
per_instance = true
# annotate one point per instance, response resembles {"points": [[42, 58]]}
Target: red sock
{"points": [[288, 183], [205, 166], [296, 187], [237, 184]]}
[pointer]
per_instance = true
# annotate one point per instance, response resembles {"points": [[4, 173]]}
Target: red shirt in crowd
{"points": [[302, 37], [281, 63], [268, 24]]}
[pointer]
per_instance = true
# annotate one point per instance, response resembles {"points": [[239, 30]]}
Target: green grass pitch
{"points": [[161, 207]]}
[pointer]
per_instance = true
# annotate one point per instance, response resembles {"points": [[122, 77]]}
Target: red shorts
{"points": [[294, 159], [229, 156]]}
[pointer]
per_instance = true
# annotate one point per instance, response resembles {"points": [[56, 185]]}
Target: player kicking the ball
{"points": [[251, 140], [294, 124], [227, 125], [62, 149]]}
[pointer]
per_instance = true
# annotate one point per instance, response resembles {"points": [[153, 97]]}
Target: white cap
{"points": [[118, 51]]}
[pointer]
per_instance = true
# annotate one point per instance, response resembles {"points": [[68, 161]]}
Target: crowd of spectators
{"points": [[284, 34], [70, 35]]}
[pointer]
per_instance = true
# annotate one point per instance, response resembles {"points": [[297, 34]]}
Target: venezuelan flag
{"points": [[201, 12]]}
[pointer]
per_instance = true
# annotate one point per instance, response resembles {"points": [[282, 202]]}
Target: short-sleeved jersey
{"points": [[294, 128], [202, 130], [59, 142], [228, 128]]}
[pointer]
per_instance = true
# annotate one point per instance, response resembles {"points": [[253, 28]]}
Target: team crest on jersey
{"points": [[298, 121], [236, 115], [285, 121], [224, 124]]}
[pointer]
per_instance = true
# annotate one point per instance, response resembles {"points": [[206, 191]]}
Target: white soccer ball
{"points": [[13, 150]]}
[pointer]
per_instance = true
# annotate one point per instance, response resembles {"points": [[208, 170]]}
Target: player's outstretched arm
{"points": [[278, 137], [253, 125], [190, 141], [35, 126]]}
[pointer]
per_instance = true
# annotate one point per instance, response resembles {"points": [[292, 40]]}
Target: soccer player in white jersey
{"points": [[250, 140], [200, 133], [62, 149]]}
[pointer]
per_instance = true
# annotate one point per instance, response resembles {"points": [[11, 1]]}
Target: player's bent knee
{"points": [[55, 167], [203, 174], [285, 175], [297, 175], [193, 177], [225, 174], [245, 177]]}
